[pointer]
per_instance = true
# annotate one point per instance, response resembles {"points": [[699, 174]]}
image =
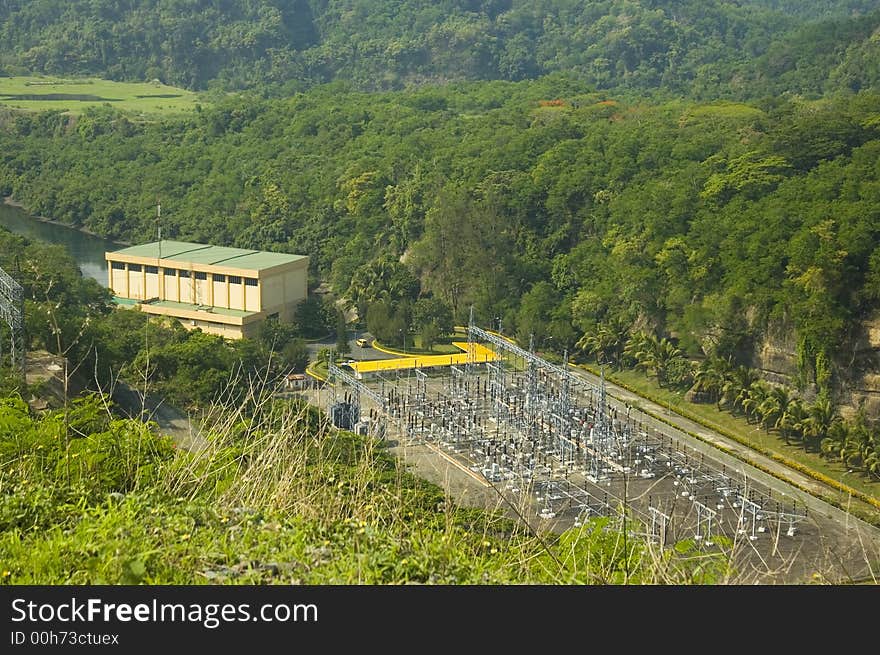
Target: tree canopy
{"points": [[692, 47]]}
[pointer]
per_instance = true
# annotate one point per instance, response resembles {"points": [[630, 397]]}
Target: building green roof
{"points": [[170, 304], [200, 253], [119, 300]]}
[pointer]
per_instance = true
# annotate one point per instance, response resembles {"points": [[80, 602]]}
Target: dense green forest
{"points": [[548, 206], [697, 48]]}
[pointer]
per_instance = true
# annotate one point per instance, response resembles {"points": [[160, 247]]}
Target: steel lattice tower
{"points": [[12, 311]]}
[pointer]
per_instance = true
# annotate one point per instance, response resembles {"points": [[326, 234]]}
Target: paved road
{"points": [[356, 353], [171, 420]]}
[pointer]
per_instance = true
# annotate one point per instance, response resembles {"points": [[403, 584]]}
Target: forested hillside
{"points": [[700, 170], [553, 208], [698, 48]]}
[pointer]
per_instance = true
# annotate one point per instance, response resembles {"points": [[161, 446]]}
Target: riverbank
{"points": [[10, 202]]}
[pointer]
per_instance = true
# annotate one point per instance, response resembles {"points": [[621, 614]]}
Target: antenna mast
{"points": [[160, 279]]}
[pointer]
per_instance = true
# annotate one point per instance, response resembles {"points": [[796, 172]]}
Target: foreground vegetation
{"points": [[276, 497]]}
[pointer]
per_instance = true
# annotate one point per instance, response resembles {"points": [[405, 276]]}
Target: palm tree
{"points": [[821, 416], [736, 386], [790, 418], [838, 442], [872, 457], [655, 355], [859, 447], [636, 345], [755, 395], [665, 354], [606, 342], [710, 376], [774, 405]]}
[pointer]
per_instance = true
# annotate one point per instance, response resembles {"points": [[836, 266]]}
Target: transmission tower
{"points": [[12, 311]]}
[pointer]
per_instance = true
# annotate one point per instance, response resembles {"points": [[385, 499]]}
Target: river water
{"points": [[86, 249]]}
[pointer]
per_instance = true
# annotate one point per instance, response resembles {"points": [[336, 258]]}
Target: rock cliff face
{"points": [[864, 384], [858, 373], [775, 356]]}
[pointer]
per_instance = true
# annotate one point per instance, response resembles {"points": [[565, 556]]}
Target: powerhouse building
{"points": [[224, 291]]}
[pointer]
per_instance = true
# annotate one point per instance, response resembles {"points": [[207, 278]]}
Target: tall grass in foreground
{"points": [[277, 495]]}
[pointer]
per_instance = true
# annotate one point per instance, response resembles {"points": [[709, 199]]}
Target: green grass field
{"points": [[76, 95]]}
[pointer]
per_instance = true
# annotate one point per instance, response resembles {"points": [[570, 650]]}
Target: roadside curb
{"points": [[388, 351], [312, 373]]}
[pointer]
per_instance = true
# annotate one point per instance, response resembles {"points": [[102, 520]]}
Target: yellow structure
{"points": [[224, 291], [480, 354]]}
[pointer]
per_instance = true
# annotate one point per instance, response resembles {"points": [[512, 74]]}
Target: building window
{"points": [[234, 279], [171, 271], [219, 277], [134, 268], [117, 266], [251, 282], [152, 269], [184, 273], [201, 276]]}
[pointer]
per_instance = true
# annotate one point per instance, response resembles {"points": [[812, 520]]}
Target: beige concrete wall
{"points": [[186, 289], [236, 297], [296, 286], [228, 331], [281, 293], [295, 291], [252, 297], [251, 330], [117, 283], [221, 297], [152, 290], [272, 291], [203, 292], [136, 284], [171, 292]]}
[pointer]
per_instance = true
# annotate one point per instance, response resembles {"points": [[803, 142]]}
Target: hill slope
{"points": [[684, 46]]}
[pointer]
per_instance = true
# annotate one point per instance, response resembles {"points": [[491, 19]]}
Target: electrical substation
{"points": [[557, 451]]}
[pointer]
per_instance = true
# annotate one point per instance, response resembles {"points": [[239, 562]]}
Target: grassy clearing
{"points": [[414, 347], [76, 95], [749, 433]]}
